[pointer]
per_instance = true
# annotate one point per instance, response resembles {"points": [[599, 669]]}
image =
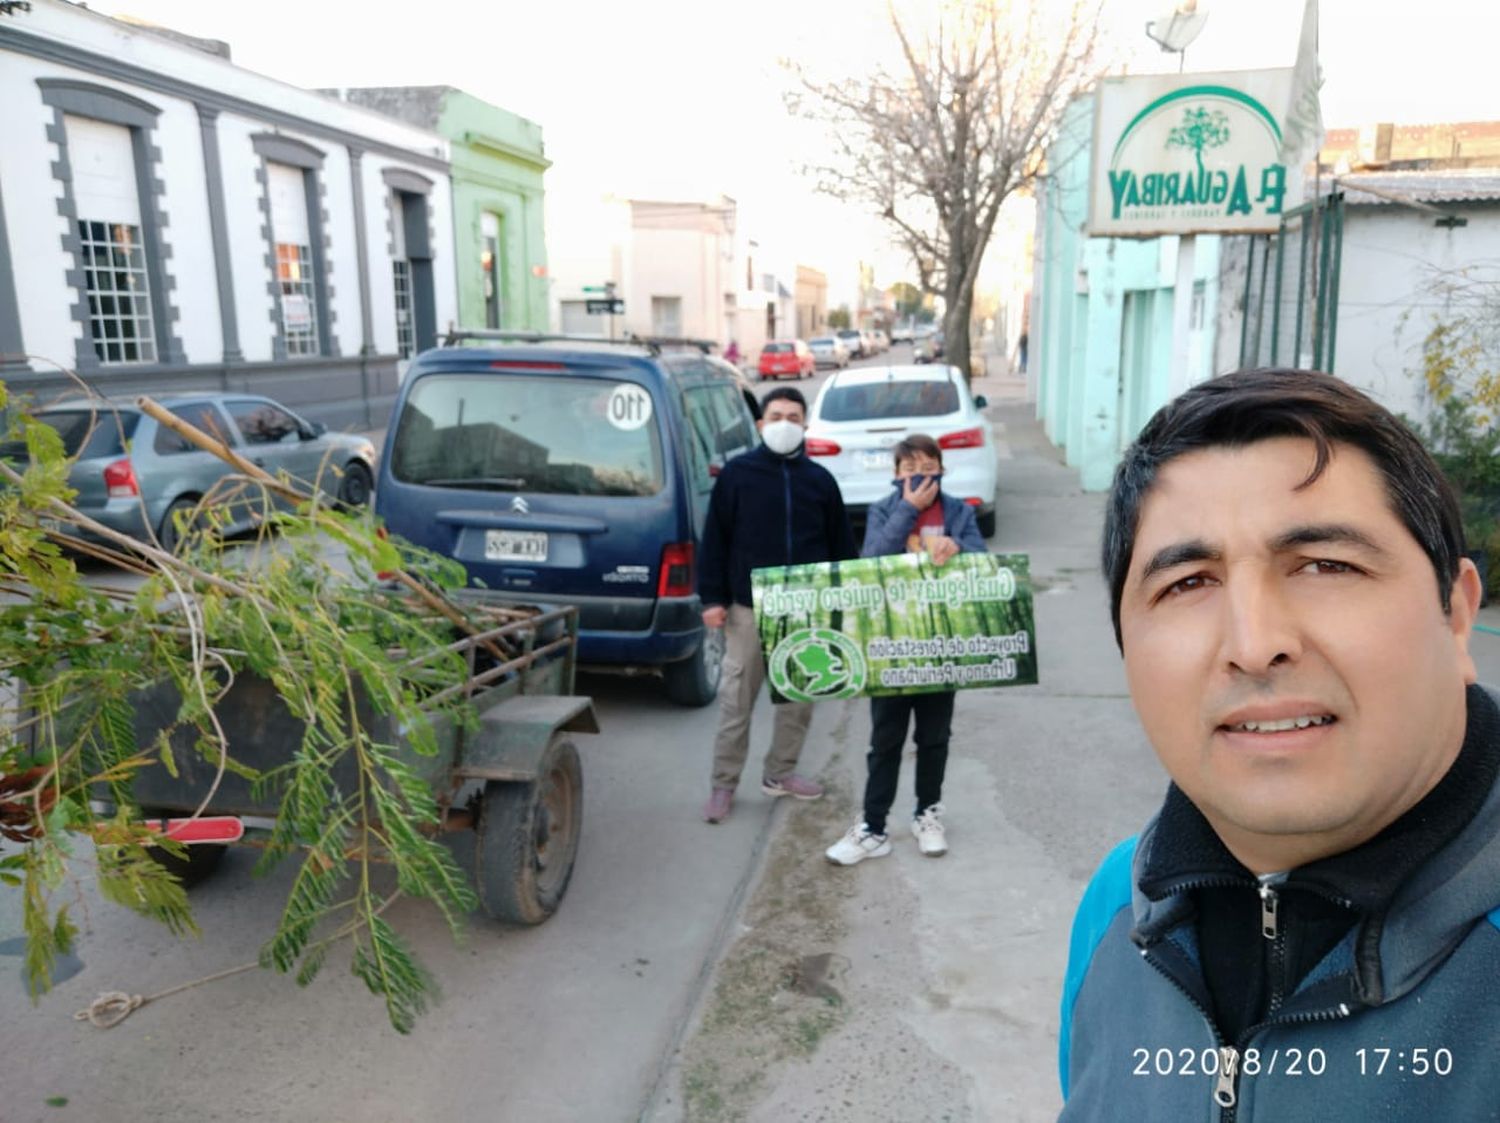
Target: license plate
{"points": [[877, 460], [515, 545]]}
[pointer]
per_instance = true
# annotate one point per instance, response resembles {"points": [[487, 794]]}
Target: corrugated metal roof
{"points": [[1458, 185]]}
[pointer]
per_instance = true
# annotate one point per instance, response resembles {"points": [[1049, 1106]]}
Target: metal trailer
{"points": [[514, 781]]}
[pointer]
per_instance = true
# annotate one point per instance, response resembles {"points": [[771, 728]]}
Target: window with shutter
{"points": [[295, 276], [107, 200]]}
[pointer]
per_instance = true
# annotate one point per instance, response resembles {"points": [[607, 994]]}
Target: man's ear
{"points": [[1464, 607], [760, 423]]}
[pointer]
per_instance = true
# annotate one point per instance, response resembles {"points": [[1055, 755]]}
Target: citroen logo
{"points": [[520, 506]]}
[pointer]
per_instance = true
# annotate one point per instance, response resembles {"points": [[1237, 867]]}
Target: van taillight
{"points": [[964, 438], [676, 578], [821, 446], [119, 478]]}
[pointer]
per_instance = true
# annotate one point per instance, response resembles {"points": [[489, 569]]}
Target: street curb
{"points": [[724, 935]]}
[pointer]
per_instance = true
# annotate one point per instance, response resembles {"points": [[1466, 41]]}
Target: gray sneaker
{"points": [[798, 787]]}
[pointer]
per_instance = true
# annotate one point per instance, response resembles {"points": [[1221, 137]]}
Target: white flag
{"points": [[1302, 128]]}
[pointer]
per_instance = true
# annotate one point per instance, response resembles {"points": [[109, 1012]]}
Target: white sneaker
{"points": [[928, 829], [857, 845]]}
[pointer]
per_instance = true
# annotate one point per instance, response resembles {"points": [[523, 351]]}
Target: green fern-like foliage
{"points": [[352, 662]]}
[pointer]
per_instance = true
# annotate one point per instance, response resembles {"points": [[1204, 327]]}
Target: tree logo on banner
{"points": [[814, 664]]}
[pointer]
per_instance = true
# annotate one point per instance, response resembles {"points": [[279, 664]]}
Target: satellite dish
{"points": [[1179, 27]]}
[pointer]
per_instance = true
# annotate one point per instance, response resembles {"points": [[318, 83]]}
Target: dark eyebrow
{"points": [[1179, 553], [1312, 534], [1319, 534]]}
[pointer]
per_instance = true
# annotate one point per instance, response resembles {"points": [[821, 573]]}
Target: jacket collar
{"points": [[1425, 878], [769, 457]]}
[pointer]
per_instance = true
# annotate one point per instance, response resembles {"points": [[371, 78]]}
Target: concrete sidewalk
{"points": [[938, 980]]}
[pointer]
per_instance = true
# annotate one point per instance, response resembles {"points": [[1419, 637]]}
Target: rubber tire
{"points": [[521, 878], [695, 681], [356, 486], [987, 525], [166, 533]]}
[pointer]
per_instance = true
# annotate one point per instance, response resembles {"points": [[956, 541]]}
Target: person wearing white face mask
{"points": [[771, 506]]}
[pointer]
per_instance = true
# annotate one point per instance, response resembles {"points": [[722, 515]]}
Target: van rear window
{"points": [[555, 436], [777, 348]]}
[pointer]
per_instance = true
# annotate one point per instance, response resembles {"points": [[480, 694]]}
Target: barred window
{"points": [[299, 323], [405, 331], [119, 296], [296, 280], [111, 250]]}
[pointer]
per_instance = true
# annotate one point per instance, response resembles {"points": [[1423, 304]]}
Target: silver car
{"points": [[829, 350], [134, 475]]}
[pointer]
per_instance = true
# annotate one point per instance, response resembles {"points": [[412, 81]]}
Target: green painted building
{"points": [[498, 160]]}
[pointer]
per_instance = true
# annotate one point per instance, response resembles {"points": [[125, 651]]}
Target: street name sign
{"points": [[895, 625], [615, 307], [1191, 154]]}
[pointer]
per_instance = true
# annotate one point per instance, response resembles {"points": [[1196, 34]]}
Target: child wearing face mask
{"points": [[916, 517]]}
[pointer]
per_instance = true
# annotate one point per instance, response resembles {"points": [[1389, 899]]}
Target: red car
{"points": [[783, 357]]}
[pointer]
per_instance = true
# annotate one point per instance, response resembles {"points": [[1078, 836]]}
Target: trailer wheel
{"points": [[527, 838]]}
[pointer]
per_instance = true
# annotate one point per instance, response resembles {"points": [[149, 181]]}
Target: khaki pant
{"points": [[744, 671]]}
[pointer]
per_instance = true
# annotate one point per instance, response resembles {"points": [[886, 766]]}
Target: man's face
{"points": [[918, 464], [780, 410], [1286, 650]]}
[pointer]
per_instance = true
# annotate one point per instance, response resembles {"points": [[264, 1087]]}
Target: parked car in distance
{"points": [[782, 358], [901, 333], [860, 415], [135, 475], [882, 341], [854, 339], [572, 470], [829, 351], [928, 346]]}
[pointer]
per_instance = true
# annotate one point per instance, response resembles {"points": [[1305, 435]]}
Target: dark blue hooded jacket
{"points": [[769, 510]]}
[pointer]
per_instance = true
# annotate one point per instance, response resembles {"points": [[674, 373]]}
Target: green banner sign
{"points": [[895, 625]]}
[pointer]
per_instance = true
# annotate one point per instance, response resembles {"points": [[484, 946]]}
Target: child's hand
{"points": [[921, 498], [940, 548]]}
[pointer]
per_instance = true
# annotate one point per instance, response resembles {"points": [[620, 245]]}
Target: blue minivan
{"points": [[571, 470]]}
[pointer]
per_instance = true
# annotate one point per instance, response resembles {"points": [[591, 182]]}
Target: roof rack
{"points": [[657, 342], [654, 343]]}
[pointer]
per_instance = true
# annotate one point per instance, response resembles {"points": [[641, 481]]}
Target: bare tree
{"points": [[935, 147]]}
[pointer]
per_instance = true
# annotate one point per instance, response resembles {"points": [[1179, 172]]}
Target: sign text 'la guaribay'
{"points": [[1190, 153]]}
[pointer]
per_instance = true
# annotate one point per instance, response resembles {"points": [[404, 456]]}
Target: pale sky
{"points": [[681, 99]]}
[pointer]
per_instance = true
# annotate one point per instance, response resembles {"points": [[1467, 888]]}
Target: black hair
{"points": [[785, 394], [917, 443], [1247, 406]]}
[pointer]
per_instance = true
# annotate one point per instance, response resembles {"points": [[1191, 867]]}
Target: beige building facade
{"points": [[812, 301]]}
